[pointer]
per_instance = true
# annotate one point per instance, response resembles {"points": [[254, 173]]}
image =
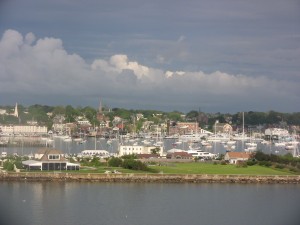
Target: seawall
{"points": [[148, 178]]}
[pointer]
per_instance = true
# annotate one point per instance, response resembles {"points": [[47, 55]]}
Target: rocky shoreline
{"points": [[149, 178]]}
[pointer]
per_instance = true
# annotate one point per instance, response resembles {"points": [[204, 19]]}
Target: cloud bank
{"points": [[41, 71]]}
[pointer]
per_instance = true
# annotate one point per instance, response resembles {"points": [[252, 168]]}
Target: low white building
{"points": [[138, 149], [19, 129]]}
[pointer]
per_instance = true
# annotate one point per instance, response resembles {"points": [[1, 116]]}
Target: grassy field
{"points": [[191, 168], [198, 168], [208, 168]]}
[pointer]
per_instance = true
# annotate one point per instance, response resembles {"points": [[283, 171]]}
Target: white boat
{"points": [[251, 144], [68, 139], [201, 153], [289, 147], [101, 153], [231, 142], [280, 144], [78, 139], [250, 149]]}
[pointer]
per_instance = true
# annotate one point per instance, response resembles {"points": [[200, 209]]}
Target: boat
{"points": [[251, 149], [100, 153], [201, 153]]}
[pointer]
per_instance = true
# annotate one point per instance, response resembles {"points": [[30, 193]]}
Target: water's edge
{"points": [[150, 178]]}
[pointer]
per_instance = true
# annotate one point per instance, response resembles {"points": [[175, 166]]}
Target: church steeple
{"points": [[100, 106], [16, 113]]}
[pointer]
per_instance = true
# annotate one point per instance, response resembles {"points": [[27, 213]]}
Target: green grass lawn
{"points": [[208, 168], [191, 168]]}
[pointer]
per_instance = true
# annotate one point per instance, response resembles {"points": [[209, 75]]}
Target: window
{"points": [[54, 157]]}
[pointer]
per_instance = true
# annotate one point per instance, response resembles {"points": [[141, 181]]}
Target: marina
{"points": [[28, 145]]}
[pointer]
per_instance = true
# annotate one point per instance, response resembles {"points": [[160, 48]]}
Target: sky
{"points": [[209, 55]]}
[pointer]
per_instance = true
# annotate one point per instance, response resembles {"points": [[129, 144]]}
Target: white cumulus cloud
{"points": [[43, 68]]}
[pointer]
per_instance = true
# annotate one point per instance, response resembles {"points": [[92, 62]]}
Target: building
{"points": [[138, 149], [49, 159], [24, 129], [235, 157], [179, 155], [276, 133], [184, 128], [222, 128]]}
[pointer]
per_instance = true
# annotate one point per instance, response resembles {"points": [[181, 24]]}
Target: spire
{"points": [[16, 114], [100, 106]]}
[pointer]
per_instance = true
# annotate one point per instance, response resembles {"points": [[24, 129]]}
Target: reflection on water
{"points": [[115, 203]]}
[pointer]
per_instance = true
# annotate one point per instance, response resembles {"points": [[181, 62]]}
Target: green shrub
{"points": [[293, 170], [265, 163], [115, 162], [134, 165], [280, 166], [241, 164], [251, 163], [9, 166]]}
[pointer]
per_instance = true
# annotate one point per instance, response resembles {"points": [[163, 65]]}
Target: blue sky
{"points": [[219, 56]]}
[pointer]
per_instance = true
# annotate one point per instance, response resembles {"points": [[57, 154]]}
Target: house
{"points": [[222, 128], [179, 155], [49, 159], [235, 157]]}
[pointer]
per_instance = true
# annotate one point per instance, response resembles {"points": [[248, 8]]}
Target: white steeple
{"points": [[16, 114]]}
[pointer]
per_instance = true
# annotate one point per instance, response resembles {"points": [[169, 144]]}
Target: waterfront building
{"points": [[138, 149], [49, 159], [24, 130], [276, 133]]}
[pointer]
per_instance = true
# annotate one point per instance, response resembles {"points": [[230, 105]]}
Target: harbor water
{"points": [[52, 203], [73, 147]]}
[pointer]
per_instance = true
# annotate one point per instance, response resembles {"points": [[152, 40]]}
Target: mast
{"points": [[243, 138]]}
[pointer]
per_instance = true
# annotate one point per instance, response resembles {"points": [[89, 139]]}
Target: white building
{"points": [[137, 149], [3, 112], [235, 157], [19, 129], [84, 122]]}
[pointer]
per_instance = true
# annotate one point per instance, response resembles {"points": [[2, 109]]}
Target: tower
{"points": [[100, 106], [16, 114]]}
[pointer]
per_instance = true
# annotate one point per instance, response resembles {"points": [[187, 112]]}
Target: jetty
{"points": [[148, 178]]}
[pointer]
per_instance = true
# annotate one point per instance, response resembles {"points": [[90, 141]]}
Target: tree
{"points": [[155, 151], [192, 115], [174, 116], [71, 114]]}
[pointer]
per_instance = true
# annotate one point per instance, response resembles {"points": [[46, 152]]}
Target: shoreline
{"points": [[150, 178]]}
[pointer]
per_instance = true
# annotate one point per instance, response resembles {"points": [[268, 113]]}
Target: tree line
{"points": [[44, 115]]}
